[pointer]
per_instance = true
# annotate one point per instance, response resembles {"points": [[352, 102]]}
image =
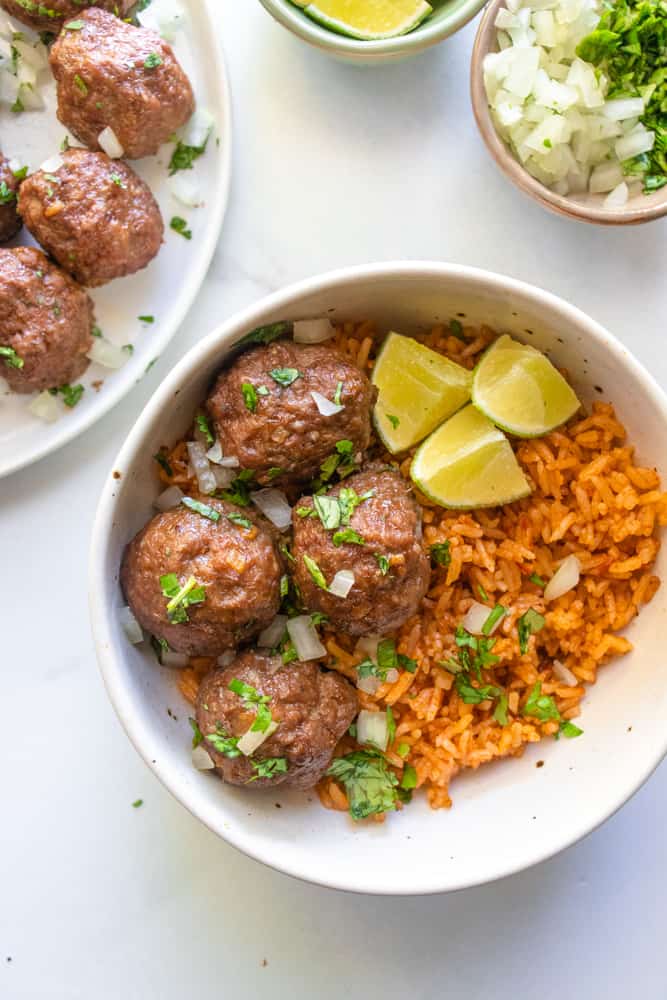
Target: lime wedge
{"points": [[418, 389], [468, 463], [368, 19], [519, 389]]}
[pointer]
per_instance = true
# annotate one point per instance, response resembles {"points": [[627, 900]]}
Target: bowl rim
{"points": [[284, 300], [420, 38], [515, 171]]}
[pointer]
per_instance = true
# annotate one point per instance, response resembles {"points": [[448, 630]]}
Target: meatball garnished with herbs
{"points": [[365, 535], [93, 215], [46, 321], [265, 723], [283, 409], [111, 75], [203, 577]]}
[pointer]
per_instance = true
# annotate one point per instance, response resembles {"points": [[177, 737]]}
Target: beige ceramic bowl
{"points": [[584, 207]]}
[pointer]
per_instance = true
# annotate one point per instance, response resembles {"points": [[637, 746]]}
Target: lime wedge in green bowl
{"points": [[368, 20]]}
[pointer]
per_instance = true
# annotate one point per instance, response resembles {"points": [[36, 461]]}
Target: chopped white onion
{"points": [[165, 18], [130, 625], [22, 62], [312, 331], [214, 453], [326, 407], [306, 641], [226, 658], [45, 407], [171, 497], [392, 675], [4, 386], [476, 616], [273, 504], [551, 107], [107, 354], [618, 197], [342, 583], [108, 142], [372, 728], [229, 462], [368, 646], [273, 633], [201, 759], [564, 674], [170, 658], [223, 477], [200, 465], [198, 128], [370, 684], [564, 579], [53, 164], [605, 177], [251, 740], [185, 190]]}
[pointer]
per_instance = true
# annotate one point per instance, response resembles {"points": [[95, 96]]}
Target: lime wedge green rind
{"points": [[369, 20], [520, 390], [417, 389], [468, 463]]}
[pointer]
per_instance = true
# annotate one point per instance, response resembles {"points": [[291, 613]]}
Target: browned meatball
{"points": [[111, 74], [275, 428], [10, 222], [49, 16], [45, 321], [94, 216], [379, 541], [313, 709], [235, 561]]}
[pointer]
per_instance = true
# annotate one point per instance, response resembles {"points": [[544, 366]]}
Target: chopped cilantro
{"points": [[153, 60], [440, 555], [201, 508], [180, 597], [393, 420], [383, 563], [328, 511], [197, 735], [20, 173], [315, 572], [249, 396], [224, 744], [456, 329], [71, 394], [347, 537], [179, 225], [11, 358], [569, 730], [409, 779], [391, 726], [369, 783], [252, 699], [541, 706], [239, 520], [285, 376], [482, 593], [407, 663], [146, 319], [184, 156], [137, 803], [239, 492], [537, 580], [498, 612], [529, 623], [73, 26], [268, 768], [265, 334], [163, 462], [338, 394], [403, 749], [7, 194], [118, 180], [80, 84], [205, 428], [274, 472]]}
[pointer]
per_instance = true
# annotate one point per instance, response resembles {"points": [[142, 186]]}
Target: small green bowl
{"points": [[447, 18]]}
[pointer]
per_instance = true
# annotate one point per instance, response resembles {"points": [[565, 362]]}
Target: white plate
{"points": [[167, 287]]}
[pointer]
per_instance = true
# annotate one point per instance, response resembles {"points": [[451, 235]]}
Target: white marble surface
{"points": [[333, 165]]}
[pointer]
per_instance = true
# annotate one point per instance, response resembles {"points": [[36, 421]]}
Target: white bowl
{"points": [[506, 816]]}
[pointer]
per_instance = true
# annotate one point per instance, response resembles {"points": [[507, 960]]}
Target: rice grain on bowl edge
{"points": [[589, 499]]}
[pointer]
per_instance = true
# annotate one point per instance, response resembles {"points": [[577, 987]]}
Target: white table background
{"points": [[333, 165]]}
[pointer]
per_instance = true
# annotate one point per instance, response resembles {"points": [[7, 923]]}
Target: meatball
{"points": [[93, 215], [272, 424], [313, 709], [45, 322], [375, 532], [111, 74], [10, 222], [50, 16], [231, 566]]}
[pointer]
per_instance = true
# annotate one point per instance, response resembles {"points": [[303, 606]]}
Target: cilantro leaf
{"points": [[205, 427], [285, 376], [529, 624], [440, 555], [315, 572], [541, 706], [201, 508], [369, 783], [268, 768]]}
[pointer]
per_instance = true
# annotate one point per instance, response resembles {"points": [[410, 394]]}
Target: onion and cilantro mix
{"points": [[370, 784], [629, 45], [181, 597], [252, 699], [387, 658]]}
